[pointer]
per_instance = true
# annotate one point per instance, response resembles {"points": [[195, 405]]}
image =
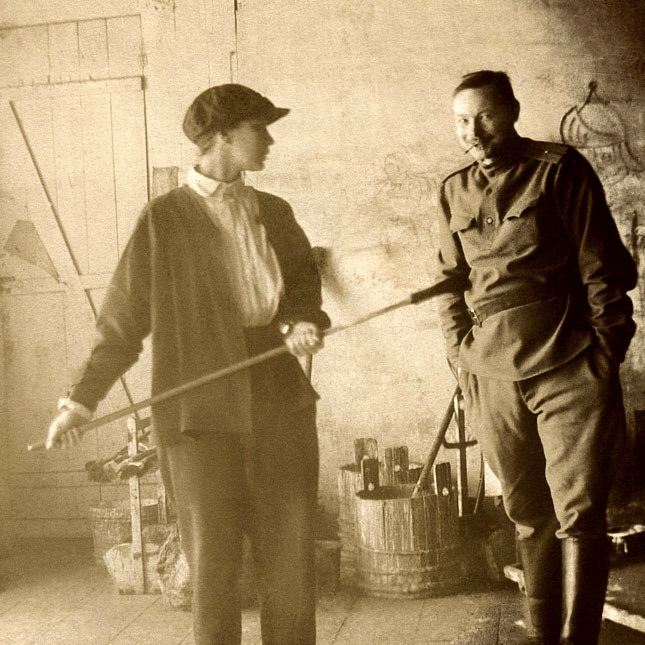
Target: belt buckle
{"points": [[474, 317]]}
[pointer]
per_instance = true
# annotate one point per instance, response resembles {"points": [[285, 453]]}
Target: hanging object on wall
{"points": [[25, 243]]}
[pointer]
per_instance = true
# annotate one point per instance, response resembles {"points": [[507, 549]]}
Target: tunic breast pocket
{"points": [[523, 226], [462, 222], [473, 241]]}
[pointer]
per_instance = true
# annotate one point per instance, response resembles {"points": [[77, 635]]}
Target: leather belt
{"points": [[513, 299]]}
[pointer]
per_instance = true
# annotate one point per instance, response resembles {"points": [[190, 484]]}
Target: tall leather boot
{"points": [[585, 565], [541, 557]]}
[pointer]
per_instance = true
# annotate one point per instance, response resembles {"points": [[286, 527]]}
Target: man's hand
{"points": [[304, 338], [63, 430]]}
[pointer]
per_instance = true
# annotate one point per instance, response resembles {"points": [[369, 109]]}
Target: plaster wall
{"points": [[370, 136], [360, 156]]}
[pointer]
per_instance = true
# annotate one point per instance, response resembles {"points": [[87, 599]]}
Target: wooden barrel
{"points": [[350, 482], [408, 547]]}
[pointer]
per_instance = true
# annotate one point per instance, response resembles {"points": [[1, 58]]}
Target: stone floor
{"points": [[54, 593]]}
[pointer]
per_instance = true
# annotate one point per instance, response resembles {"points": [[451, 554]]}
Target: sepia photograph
{"points": [[322, 323]]}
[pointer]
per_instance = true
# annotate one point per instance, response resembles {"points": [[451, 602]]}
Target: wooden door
{"points": [[73, 178]]}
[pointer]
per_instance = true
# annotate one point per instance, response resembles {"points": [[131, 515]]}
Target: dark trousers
{"points": [[264, 485], [553, 441]]}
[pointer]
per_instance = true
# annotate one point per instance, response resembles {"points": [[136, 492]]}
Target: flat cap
{"points": [[224, 106]]}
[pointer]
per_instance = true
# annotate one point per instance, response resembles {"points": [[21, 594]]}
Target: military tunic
{"points": [[538, 320], [533, 251]]}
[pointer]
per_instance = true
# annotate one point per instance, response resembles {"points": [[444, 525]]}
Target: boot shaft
{"points": [[541, 557], [585, 564]]}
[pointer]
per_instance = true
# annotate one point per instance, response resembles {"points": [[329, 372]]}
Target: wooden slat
{"points": [[100, 205], [370, 471], [164, 180], [220, 23], [67, 117], [24, 56], [365, 447], [84, 88], [188, 23], [130, 161], [35, 114], [47, 285], [93, 49], [125, 48], [624, 617], [138, 550], [63, 52], [96, 280], [17, 14], [396, 465]]}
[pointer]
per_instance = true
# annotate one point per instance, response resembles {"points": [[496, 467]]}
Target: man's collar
{"points": [[512, 152], [209, 187]]}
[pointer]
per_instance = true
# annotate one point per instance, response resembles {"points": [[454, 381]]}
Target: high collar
{"points": [[209, 187]]}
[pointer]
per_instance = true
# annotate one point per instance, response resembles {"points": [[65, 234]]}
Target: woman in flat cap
{"points": [[215, 272]]}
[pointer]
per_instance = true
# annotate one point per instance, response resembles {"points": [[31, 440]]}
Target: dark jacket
{"points": [[171, 283], [531, 248]]}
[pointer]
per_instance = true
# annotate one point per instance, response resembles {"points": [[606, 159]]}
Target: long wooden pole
{"points": [[415, 298], [436, 444], [59, 223]]}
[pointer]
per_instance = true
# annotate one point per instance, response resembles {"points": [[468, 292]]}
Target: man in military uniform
{"points": [[537, 322]]}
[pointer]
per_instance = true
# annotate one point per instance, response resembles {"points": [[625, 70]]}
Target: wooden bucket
{"points": [[111, 525], [350, 482], [124, 568], [408, 547]]}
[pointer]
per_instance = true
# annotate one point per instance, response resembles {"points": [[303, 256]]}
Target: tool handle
{"points": [[158, 398], [430, 292], [436, 444], [415, 298]]}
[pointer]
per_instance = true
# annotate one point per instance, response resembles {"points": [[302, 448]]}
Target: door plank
{"points": [[125, 47], [130, 161], [98, 167], [67, 118], [64, 62], [93, 49], [25, 56]]}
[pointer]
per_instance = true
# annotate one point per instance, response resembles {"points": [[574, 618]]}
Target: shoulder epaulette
{"points": [[457, 170], [546, 151]]}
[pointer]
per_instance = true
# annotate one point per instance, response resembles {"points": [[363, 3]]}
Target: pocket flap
{"points": [[522, 205], [462, 221]]}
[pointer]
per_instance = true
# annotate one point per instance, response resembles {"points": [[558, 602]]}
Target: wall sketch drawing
{"points": [[398, 219], [599, 132], [402, 181], [597, 129]]}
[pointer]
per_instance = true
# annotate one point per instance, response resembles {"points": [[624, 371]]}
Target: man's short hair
{"points": [[499, 82]]}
